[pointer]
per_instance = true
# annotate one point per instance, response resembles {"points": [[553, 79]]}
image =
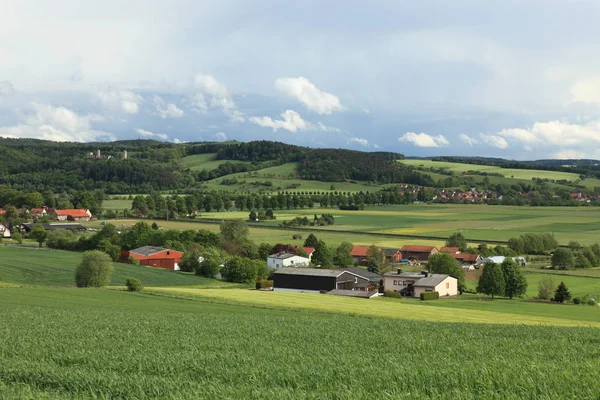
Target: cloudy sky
{"points": [[512, 79]]}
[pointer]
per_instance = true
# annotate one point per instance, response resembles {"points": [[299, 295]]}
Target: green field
{"points": [[57, 268], [198, 162]]}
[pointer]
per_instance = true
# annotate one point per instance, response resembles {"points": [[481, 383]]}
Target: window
{"points": [[395, 283], [292, 262], [447, 285], [168, 253]]}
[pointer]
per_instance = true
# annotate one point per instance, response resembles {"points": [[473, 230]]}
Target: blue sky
{"points": [[512, 79]]}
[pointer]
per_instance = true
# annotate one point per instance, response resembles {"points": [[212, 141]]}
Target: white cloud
{"points": [[495, 141], [125, 100], [166, 110], [197, 102], [6, 88], [308, 94], [569, 155], [56, 123], [424, 140], [556, 133], [361, 141], [586, 91], [220, 97], [468, 140], [220, 136], [146, 133], [291, 121]]}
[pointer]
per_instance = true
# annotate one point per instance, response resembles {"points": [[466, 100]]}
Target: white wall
{"points": [[295, 261], [448, 287]]}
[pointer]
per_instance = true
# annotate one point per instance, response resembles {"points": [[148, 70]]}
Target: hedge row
{"points": [[392, 294], [264, 284], [430, 296]]}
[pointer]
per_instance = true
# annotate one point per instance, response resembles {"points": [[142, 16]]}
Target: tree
{"points": [[264, 250], [39, 234], [517, 245], [563, 258], [133, 284], [155, 226], [491, 281], [515, 281], [95, 269], [375, 259], [107, 247], [300, 252], [562, 293], [546, 288], [342, 257], [17, 237], [311, 241], [234, 231], [253, 216], [189, 262], [457, 240], [442, 263], [211, 265], [243, 270], [322, 256]]}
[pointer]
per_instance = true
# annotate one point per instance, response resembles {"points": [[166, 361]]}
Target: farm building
{"points": [[38, 212], [468, 259], [27, 227], [393, 256], [314, 280], [155, 257], [359, 254], [81, 214], [450, 250], [412, 284], [373, 278], [4, 231], [280, 260], [500, 259], [418, 253]]}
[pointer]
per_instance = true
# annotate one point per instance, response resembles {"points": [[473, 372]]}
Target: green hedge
{"points": [[392, 294], [264, 284], [430, 296]]}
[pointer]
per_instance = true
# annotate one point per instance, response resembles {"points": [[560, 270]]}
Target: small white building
{"points": [[279, 260], [4, 231]]}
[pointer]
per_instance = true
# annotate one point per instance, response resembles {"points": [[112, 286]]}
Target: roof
{"points": [[449, 249], [465, 257], [308, 250], [334, 273], [431, 281], [359, 251], [409, 275], [496, 259], [364, 273], [417, 249], [353, 293], [391, 252], [149, 250], [81, 212], [283, 256], [50, 227]]}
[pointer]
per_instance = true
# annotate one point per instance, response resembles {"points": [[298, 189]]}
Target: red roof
{"points": [[417, 249], [82, 212], [308, 250], [449, 249], [359, 251], [2, 211], [37, 210], [465, 257]]}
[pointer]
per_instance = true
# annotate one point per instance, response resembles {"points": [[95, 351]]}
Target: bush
{"points": [[576, 300], [95, 269], [134, 285], [392, 294], [430, 296], [133, 260], [264, 284], [591, 302]]}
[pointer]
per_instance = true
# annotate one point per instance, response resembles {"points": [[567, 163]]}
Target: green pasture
{"points": [[57, 268], [198, 162], [525, 174], [69, 343], [119, 205]]}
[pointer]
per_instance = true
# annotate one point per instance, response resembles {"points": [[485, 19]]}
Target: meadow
{"points": [[198, 162]]}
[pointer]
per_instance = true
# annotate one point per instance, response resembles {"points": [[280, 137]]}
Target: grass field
{"points": [[525, 174], [198, 162], [76, 343], [57, 268]]}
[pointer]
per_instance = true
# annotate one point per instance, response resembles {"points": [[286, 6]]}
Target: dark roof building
{"points": [[27, 227], [316, 280]]}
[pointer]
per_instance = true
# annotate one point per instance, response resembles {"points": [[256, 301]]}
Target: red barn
{"points": [[155, 257]]}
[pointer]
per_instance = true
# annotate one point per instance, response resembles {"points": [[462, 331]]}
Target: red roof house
{"points": [[451, 250], [359, 254], [155, 257], [468, 259], [81, 214], [309, 251], [418, 253]]}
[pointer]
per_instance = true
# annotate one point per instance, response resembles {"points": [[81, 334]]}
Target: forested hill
{"points": [[142, 166]]}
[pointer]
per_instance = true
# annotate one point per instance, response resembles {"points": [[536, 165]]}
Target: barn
{"points": [[316, 280], [155, 257]]}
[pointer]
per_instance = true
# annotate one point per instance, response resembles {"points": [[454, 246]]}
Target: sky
{"points": [[511, 79]]}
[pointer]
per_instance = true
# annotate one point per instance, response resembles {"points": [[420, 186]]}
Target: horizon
{"points": [[425, 80]]}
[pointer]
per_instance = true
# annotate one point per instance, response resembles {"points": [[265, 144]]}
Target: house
{"points": [[373, 279], [418, 253], [4, 231], [315, 280], [412, 284], [155, 257], [450, 250], [38, 212], [27, 227], [81, 214], [468, 259], [309, 251], [359, 254], [393, 256], [280, 260]]}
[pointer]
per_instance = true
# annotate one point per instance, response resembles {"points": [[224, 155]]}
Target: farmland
{"points": [[476, 222], [198, 162], [75, 343]]}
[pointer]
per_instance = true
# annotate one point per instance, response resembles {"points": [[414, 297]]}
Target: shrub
{"points": [[576, 300], [95, 269], [430, 296], [133, 260], [134, 285], [264, 284], [392, 294], [591, 302]]}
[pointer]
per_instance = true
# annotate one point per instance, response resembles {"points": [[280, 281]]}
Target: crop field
{"points": [[198, 162], [57, 268], [91, 343], [525, 174], [119, 205]]}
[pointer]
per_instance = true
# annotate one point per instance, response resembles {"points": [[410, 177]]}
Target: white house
{"points": [[412, 284], [4, 231], [279, 260]]}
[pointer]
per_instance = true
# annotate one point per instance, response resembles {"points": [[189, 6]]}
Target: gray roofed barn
{"points": [[147, 250], [309, 272]]}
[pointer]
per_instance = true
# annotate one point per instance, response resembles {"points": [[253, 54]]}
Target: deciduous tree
{"points": [[491, 281]]}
